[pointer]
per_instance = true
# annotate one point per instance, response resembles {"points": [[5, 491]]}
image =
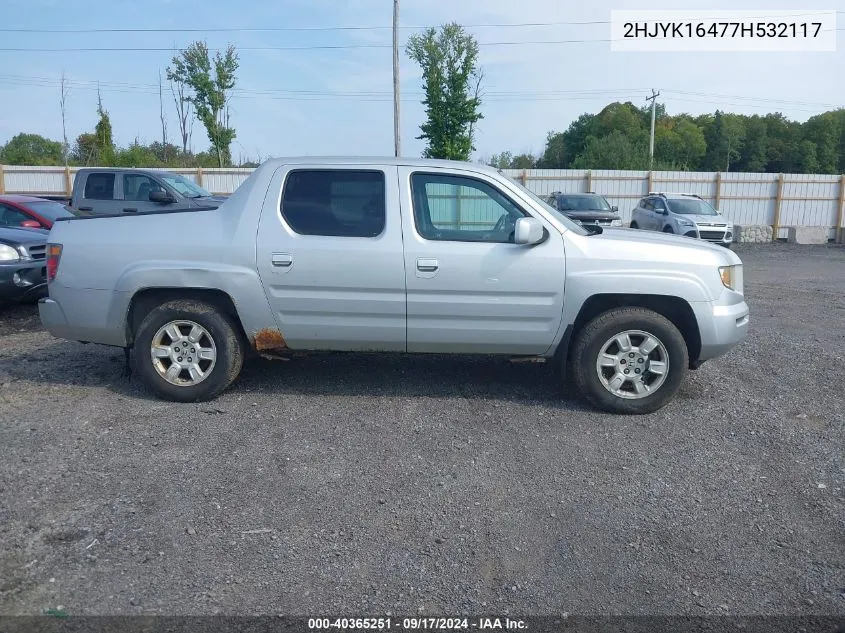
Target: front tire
{"points": [[629, 360], [187, 351], [634, 225]]}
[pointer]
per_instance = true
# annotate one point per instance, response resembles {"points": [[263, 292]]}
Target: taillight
{"points": [[54, 254]]}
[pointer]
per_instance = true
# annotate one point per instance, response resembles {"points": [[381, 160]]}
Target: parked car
{"points": [[586, 208], [30, 212], [380, 255], [110, 191], [684, 214], [23, 273]]}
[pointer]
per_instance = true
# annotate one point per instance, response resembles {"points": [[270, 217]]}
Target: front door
{"points": [[330, 258], [471, 289], [136, 194]]}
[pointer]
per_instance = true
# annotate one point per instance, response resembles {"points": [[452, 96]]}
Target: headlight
{"points": [[616, 223], [684, 222], [8, 254], [731, 277]]}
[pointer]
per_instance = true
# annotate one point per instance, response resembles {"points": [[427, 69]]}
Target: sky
{"points": [[305, 100]]}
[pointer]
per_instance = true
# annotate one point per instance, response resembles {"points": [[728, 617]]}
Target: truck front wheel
{"points": [[187, 351], [629, 360]]}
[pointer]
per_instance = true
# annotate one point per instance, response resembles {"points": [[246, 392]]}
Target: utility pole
{"points": [[396, 141], [653, 99]]}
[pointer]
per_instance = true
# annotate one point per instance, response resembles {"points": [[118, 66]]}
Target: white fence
{"points": [[776, 200], [747, 199]]}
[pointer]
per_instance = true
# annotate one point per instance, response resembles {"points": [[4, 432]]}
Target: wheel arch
{"points": [[677, 310], [147, 299]]}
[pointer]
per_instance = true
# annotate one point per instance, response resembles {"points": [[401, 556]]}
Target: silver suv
{"points": [[684, 214]]}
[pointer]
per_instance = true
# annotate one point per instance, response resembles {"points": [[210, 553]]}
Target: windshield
{"points": [[50, 210], [583, 203], [186, 187], [547, 207], [691, 207]]}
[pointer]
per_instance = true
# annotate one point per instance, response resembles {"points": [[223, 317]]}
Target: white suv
{"points": [[684, 214]]}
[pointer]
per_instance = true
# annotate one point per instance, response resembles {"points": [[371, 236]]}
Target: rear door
{"points": [[101, 193], [471, 289], [330, 257]]}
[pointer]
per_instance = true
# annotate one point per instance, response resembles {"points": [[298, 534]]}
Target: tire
{"points": [[219, 335], [634, 225], [668, 229], [599, 333]]}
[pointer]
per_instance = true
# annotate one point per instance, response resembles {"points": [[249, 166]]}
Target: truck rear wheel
{"points": [[629, 360], [187, 351]]}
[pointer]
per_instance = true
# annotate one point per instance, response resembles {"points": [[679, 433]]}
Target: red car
{"points": [[30, 212]]}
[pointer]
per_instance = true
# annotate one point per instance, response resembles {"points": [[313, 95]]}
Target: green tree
{"points": [[613, 151], [825, 131], [210, 91], [679, 142], [31, 149], [724, 143], [451, 79], [103, 136], [755, 149]]}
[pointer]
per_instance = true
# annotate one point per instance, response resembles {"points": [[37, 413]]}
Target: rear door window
{"points": [[99, 186], [339, 203]]}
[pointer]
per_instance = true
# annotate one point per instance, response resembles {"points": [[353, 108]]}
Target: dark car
{"points": [[585, 208], [31, 212], [23, 264]]}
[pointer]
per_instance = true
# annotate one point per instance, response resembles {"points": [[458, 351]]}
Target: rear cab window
{"points": [[335, 202], [99, 186]]}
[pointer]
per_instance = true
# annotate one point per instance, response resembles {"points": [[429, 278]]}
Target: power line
{"points": [[291, 29], [310, 47], [561, 95]]}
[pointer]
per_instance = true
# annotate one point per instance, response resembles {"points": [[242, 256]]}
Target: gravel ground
{"points": [[370, 483]]}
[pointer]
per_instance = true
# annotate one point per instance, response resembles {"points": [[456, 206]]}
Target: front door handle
{"points": [[427, 265], [130, 210], [281, 259]]}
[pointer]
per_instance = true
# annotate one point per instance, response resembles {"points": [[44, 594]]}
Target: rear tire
{"points": [[187, 351], [634, 225], [604, 382]]}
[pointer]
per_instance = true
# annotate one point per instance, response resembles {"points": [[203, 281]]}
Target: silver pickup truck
{"points": [[393, 255]]}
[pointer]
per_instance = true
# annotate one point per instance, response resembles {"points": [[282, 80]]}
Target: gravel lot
{"points": [[366, 484]]}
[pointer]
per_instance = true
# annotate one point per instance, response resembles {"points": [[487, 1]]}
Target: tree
{"points": [[62, 104], [31, 149], [724, 142], [451, 80], [506, 160], [103, 135], [210, 92], [613, 151]]}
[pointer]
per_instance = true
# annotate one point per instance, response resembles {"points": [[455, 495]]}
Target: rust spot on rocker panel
{"points": [[269, 340]]}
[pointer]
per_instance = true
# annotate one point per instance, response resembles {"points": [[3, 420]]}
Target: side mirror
{"points": [[614, 209], [31, 224], [528, 231], [161, 196]]}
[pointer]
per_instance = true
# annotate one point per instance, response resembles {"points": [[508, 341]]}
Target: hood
{"points": [[591, 215], [662, 247], [211, 200], [23, 236], [707, 219]]}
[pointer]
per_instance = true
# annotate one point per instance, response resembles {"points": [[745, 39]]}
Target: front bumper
{"points": [[23, 281], [723, 324], [714, 235]]}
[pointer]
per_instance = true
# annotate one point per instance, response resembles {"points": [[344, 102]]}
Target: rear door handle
{"points": [[281, 259], [427, 265], [86, 208], [130, 210]]}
